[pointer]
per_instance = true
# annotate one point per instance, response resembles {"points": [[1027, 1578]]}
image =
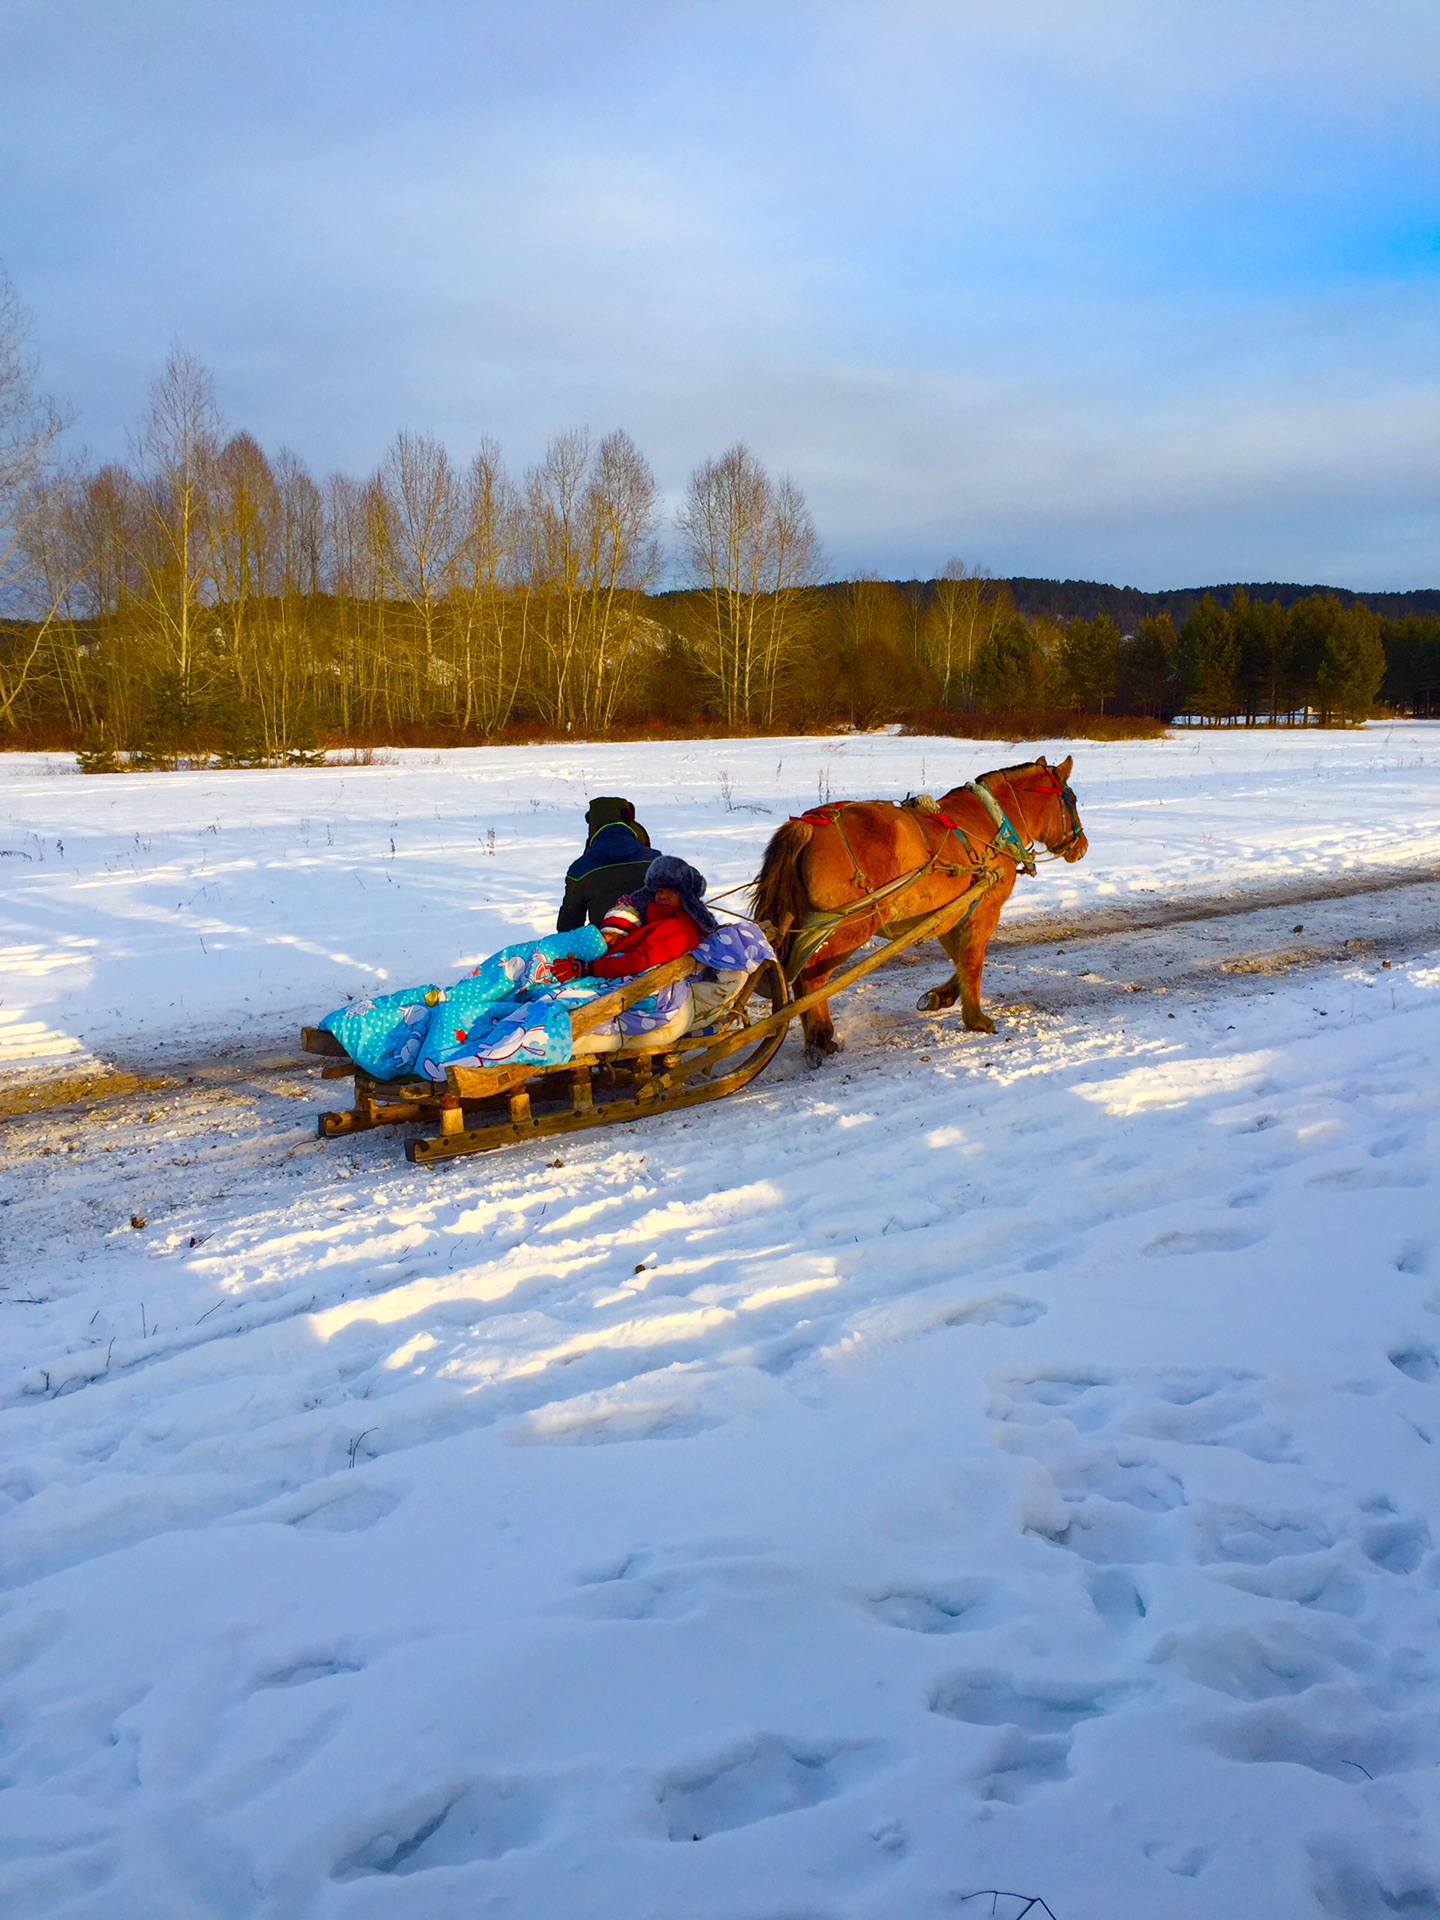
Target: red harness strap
{"points": [[824, 816]]}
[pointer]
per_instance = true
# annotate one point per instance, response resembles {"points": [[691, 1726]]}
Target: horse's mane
{"points": [[1021, 766]]}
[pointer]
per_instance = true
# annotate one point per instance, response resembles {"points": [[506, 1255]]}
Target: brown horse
{"points": [[819, 865]]}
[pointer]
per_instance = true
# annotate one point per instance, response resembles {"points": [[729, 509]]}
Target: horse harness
{"points": [[813, 932], [1005, 840]]}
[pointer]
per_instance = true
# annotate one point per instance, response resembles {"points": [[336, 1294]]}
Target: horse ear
{"points": [[1065, 765], [1040, 761]]}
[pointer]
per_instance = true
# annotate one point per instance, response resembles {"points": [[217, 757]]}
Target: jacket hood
{"points": [[606, 808]]}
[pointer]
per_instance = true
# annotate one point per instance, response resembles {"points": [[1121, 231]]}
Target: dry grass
{"points": [[1056, 725]]}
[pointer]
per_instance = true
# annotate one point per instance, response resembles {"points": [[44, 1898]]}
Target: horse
{"points": [[834, 877]]}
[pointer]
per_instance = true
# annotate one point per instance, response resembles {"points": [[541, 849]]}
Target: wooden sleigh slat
{"points": [[320, 1040], [484, 1083], [679, 1083]]}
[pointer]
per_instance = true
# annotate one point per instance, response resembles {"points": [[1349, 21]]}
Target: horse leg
{"points": [[937, 999], [966, 946], [815, 1023]]}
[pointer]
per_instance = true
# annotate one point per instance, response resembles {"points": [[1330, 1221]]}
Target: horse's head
{"points": [[1054, 814], [1043, 806]]}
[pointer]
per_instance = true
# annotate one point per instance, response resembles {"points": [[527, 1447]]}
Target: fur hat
{"points": [[679, 876]]}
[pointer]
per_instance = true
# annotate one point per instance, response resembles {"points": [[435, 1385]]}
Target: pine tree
{"points": [[1147, 667], [1210, 662], [1090, 656], [1352, 667]]}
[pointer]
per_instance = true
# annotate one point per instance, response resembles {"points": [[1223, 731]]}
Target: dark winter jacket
{"points": [[616, 861]]}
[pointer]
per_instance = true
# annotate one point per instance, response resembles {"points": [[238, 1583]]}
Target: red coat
{"points": [[664, 934]]}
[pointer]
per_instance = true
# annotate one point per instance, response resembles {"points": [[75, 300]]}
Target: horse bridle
{"points": [[1007, 840]]}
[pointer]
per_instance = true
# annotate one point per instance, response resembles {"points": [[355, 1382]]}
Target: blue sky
{"points": [[1142, 290]]}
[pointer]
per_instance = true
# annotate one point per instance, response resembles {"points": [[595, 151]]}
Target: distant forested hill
{"points": [[1064, 600]]}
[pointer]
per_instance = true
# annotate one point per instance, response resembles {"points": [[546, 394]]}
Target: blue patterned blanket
{"points": [[511, 1010]]}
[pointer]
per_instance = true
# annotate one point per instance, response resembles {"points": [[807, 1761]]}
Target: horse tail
{"points": [[780, 895]]}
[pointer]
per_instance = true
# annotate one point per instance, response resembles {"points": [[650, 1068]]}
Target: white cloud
{"points": [[1101, 286]]}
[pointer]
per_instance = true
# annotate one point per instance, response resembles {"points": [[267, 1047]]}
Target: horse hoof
{"points": [[818, 1052], [933, 1001], [982, 1023]]}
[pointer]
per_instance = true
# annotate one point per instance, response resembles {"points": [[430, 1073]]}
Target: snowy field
{"points": [[990, 1462]]}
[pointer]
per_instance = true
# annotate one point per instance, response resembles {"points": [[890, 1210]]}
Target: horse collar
{"points": [[1006, 840]]}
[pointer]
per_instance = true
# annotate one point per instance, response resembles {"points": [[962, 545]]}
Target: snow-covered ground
{"points": [[155, 916], [987, 1463]]}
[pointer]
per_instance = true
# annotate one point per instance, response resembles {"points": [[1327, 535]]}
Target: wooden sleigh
{"points": [[481, 1108]]}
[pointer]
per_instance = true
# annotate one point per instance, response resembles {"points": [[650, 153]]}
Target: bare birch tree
{"points": [[29, 427], [423, 519], [749, 543], [955, 627], [554, 499], [179, 442], [624, 558], [242, 530], [492, 593], [591, 524], [301, 526]]}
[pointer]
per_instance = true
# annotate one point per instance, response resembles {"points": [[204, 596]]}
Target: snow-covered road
{"points": [[990, 1462], [151, 917]]}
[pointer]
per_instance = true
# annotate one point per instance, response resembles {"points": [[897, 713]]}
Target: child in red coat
{"points": [[665, 919]]}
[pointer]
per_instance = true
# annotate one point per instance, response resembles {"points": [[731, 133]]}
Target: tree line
{"points": [[203, 597]]}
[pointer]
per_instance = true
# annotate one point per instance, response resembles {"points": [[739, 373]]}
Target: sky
{"points": [[1134, 290]]}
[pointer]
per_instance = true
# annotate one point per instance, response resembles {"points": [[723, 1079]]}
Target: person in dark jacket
{"points": [[667, 918], [616, 859]]}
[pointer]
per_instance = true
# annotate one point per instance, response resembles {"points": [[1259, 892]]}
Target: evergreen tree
{"points": [[1147, 681], [1090, 656], [1010, 668], [1263, 631], [1210, 662], [1352, 667], [1412, 657]]}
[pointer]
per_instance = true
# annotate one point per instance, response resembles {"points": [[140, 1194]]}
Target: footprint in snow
{"points": [[1416, 1359], [1236, 1533], [348, 1511], [669, 1584], [1202, 1240], [1349, 1886], [1413, 1257], [960, 1606], [1333, 1729], [1116, 1597], [1395, 1545], [1124, 1477], [1325, 1582], [1353, 1179], [306, 1668], [1185, 1859], [1037, 1723], [449, 1828], [762, 1778], [1271, 1661]]}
